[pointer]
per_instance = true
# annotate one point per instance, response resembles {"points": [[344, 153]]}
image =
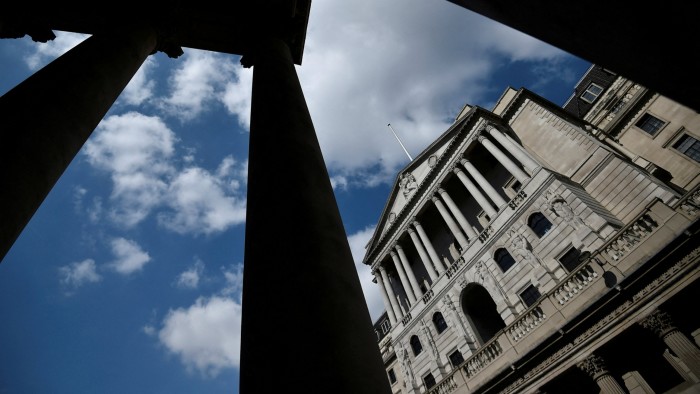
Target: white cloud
{"points": [[410, 63], [200, 203], [200, 81], [237, 95], [234, 282], [189, 279], [129, 256], [140, 88], [136, 150], [79, 273], [206, 336], [149, 330], [43, 53], [373, 297]]}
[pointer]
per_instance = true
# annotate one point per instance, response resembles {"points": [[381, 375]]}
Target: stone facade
{"points": [[527, 248]]}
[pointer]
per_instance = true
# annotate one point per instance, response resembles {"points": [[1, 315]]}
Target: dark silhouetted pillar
{"points": [[306, 327], [46, 119]]}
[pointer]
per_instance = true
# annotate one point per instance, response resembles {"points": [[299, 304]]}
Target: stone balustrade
{"points": [[517, 200], [451, 270], [574, 284], [406, 319], [630, 237], [483, 357], [526, 323], [447, 386], [428, 295]]}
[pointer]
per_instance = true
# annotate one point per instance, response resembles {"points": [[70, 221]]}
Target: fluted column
{"points": [[312, 260], [661, 323], [423, 255], [390, 292], [409, 272], [450, 222], [484, 184], [429, 246], [47, 118], [471, 234], [513, 168], [385, 297], [514, 148], [595, 367], [402, 276]]}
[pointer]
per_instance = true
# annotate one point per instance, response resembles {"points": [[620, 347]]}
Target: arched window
{"points": [[439, 321], [503, 259], [481, 312], [539, 224], [415, 345]]}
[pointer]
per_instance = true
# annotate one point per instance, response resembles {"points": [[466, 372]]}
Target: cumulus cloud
{"points": [[237, 95], [42, 53], [200, 81], [373, 297], [140, 88], [234, 281], [206, 336], [200, 203], [79, 273], [190, 278], [129, 257], [410, 63], [136, 150]]}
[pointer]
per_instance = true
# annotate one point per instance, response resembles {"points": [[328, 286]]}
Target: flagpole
{"points": [[400, 143]]}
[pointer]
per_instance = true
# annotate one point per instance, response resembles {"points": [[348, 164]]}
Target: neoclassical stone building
{"points": [[537, 248]]}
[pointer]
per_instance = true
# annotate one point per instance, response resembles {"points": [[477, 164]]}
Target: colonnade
{"points": [[464, 233]]}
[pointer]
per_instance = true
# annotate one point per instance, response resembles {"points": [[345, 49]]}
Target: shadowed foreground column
{"points": [[47, 118], [305, 327]]}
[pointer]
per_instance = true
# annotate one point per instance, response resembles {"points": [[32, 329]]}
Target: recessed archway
{"points": [[481, 311]]}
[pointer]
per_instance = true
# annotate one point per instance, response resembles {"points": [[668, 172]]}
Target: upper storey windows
{"points": [[592, 92]]}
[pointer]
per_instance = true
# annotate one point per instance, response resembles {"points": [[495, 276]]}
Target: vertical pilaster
{"points": [[312, 261], [47, 118]]}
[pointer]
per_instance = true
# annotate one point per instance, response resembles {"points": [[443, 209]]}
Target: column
{"points": [[661, 323], [390, 292], [311, 262], [513, 168], [423, 255], [385, 298], [450, 222], [429, 246], [514, 148], [402, 276], [471, 234], [47, 118], [476, 193], [409, 272], [595, 367]]}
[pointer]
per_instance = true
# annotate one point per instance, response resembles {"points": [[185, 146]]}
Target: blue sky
{"points": [[128, 278]]}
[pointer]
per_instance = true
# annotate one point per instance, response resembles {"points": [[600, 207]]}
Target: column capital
{"points": [[398, 247], [594, 366], [659, 322], [441, 190], [464, 160], [456, 169], [489, 127], [392, 252], [480, 137], [435, 198], [415, 222], [411, 230]]}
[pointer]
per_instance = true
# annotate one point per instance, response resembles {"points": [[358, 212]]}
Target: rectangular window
{"points": [[570, 260], [649, 123], [688, 146], [456, 358], [386, 326], [429, 381], [592, 92], [530, 295], [392, 376]]}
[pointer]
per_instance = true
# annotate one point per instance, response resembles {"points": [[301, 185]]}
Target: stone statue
{"points": [[521, 248], [408, 184], [405, 364], [562, 209]]}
